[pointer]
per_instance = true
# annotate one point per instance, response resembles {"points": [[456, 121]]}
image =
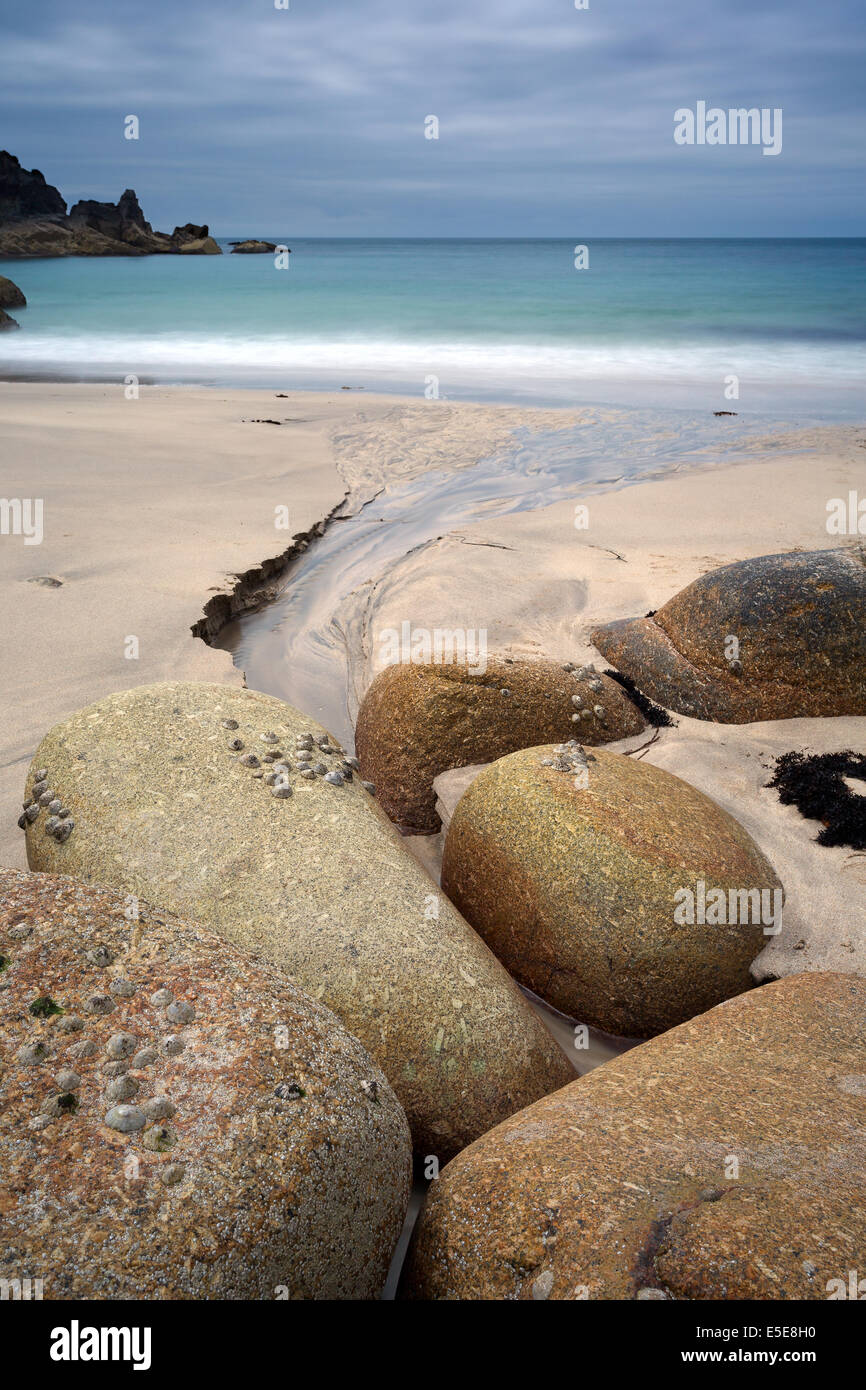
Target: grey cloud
{"points": [[552, 119]]}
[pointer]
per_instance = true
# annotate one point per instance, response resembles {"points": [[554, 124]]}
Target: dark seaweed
{"points": [[813, 783], [653, 714], [44, 1007]]}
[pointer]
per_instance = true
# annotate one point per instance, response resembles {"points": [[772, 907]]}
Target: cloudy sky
{"points": [[553, 121]]}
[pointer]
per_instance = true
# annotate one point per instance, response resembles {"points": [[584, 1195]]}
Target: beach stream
{"points": [[294, 649]]}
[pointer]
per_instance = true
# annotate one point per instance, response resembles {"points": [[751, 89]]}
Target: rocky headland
{"points": [[34, 222]]}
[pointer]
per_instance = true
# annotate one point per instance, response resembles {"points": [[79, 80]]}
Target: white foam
{"points": [[192, 357]]}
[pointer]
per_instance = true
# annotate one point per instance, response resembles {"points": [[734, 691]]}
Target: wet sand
{"points": [[149, 506], [152, 507]]}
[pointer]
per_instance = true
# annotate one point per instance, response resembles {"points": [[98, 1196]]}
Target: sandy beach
{"points": [[433, 672], [153, 507], [171, 514]]}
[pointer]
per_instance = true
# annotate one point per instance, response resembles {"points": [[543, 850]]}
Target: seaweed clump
{"points": [[652, 713], [815, 784], [44, 1007]]}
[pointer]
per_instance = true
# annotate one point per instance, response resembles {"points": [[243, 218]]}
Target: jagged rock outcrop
{"points": [[7, 321], [190, 231], [24, 193], [121, 221], [10, 295], [34, 222]]}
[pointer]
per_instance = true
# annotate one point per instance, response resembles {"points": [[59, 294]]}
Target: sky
{"points": [[552, 120]]}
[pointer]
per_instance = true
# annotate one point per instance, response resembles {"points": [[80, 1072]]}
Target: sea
{"points": [[775, 328]]}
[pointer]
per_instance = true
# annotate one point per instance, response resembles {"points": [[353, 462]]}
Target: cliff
{"points": [[34, 222]]}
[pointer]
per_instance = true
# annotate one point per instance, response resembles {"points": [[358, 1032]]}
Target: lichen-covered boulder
{"points": [[179, 1121], [417, 720], [725, 1159], [231, 806], [605, 885], [778, 637]]}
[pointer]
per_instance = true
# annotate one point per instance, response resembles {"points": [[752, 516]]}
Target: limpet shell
{"points": [[180, 1012], [121, 1088], [125, 1118], [99, 1004], [122, 1045], [159, 1108], [145, 1058]]}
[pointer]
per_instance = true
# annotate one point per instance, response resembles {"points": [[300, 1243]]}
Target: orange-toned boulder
{"points": [[619, 893], [778, 637], [725, 1159], [417, 720], [179, 1121]]}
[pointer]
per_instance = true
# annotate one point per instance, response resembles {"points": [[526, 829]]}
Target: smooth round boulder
{"points": [[725, 1159], [171, 798], [263, 1156], [778, 637], [620, 894], [420, 719]]}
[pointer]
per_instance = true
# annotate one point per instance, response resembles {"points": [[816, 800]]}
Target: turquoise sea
{"points": [[646, 323]]}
